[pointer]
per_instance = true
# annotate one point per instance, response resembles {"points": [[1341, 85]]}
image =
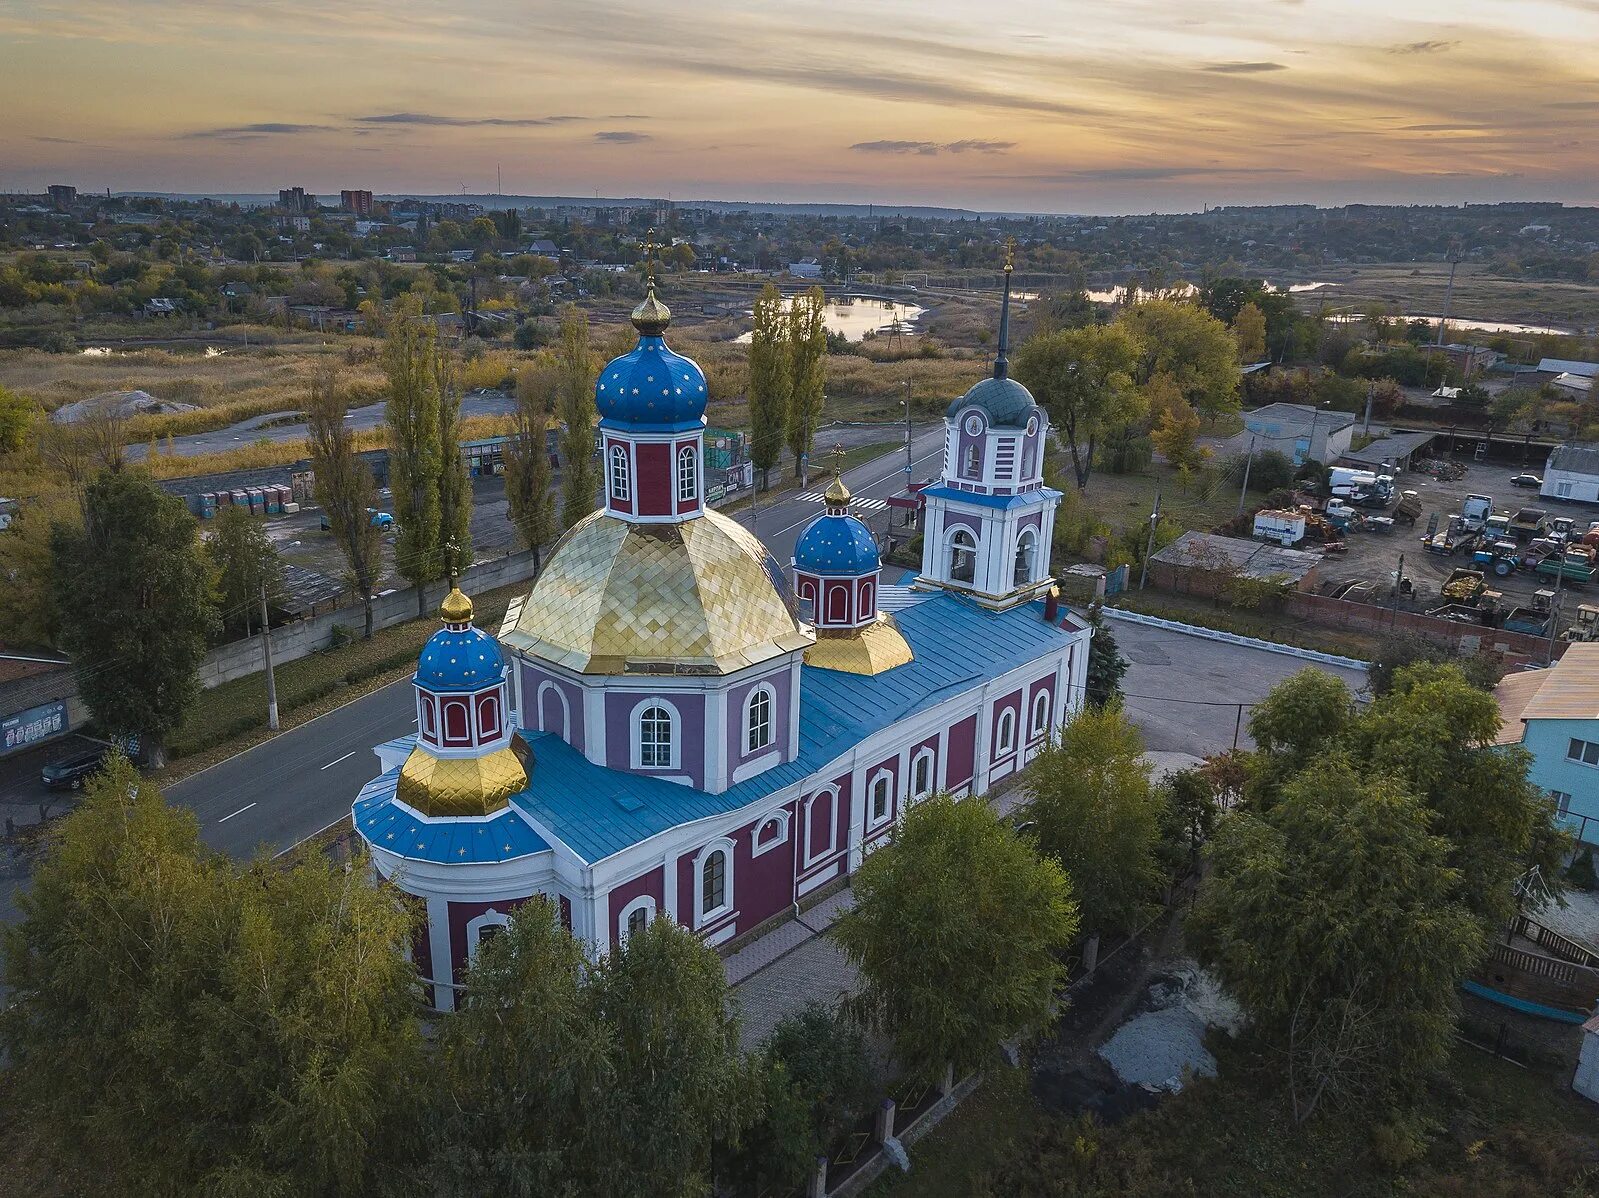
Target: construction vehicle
{"points": [[1571, 565], [1587, 626], [1533, 618], [1340, 515], [1450, 539], [1408, 508], [1464, 586], [1497, 526], [1475, 510], [1529, 523], [1500, 557], [1562, 529]]}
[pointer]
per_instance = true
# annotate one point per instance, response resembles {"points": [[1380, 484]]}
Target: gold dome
{"points": [[870, 650], [651, 318], [837, 494], [702, 596], [456, 608], [460, 785]]}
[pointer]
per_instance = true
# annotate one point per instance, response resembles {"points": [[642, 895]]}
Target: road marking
{"points": [[895, 478], [866, 505], [240, 811], [336, 760]]}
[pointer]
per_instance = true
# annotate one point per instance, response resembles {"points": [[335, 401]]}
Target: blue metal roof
{"points": [[1002, 502], [385, 824], [597, 811], [460, 659], [651, 385], [836, 545]]}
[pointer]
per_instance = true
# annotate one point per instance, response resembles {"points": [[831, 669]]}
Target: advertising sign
{"points": [[33, 725]]}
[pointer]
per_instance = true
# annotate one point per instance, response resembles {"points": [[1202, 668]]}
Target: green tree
{"points": [[956, 931], [807, 351], [344, 487], [133, 594], [575, 396], [1334, 918], [1394, 653], [1302, 715], [1192, 346], [1176, 435], [1084, 379], [455, 485], [17, 416], [1106, 665], [176, 1027], [528, 493], [771, 381], [1249, 329], [410, 350], [28, 617], [679, 1084], [247, 567], [1094, 811]]}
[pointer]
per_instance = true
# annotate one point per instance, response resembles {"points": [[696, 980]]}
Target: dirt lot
{"points": [[1374, 556]]}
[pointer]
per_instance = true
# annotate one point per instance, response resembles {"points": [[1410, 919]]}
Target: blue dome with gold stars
{"points": [[836, 544], [652, 385], [460, 658]]}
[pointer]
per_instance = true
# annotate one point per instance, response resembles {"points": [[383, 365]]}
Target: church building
{"points": [[671, 723]]}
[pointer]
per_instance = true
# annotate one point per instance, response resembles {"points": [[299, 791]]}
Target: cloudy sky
{"points": [[1035, 105]]}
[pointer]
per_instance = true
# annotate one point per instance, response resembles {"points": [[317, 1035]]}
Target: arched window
{"points": [[455, 720], [688, 475], [922, 775], [771, 832], [838, 603], [1006, 740], [972, 461], [715, 888], [867, 603], [962, 556], [483, 928], [488, 716], [620, 487], [1040, 713], [430, 726], [1026, 544], [654, 739], [879, 798], [635, 917], [758, 720]]}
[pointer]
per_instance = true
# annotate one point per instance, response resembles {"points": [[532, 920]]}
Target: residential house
{"points": [[1203, 563], [402, 253], [162, 307], [1300, 432], [1554, 715], [810, 268], [1572, 472]]}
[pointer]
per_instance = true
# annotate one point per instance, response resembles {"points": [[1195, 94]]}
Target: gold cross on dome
{"points": [[650, 247], [1010, 254]]}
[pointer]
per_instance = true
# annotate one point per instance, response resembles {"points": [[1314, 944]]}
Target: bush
{"points": [[1271, 471], [1581, 873]]}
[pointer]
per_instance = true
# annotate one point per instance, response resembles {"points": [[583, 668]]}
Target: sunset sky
{"points": [[1028, 105]]}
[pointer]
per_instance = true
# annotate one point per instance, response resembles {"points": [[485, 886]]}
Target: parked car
{"points": [[1527, 480], [70, 772], [381, 519]]}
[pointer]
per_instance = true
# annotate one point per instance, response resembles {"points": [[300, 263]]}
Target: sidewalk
{"points": [[792, 966]]}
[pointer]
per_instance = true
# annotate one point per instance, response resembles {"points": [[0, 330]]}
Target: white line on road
{"points": [[240, 811], [336, 760], [937, 453]]}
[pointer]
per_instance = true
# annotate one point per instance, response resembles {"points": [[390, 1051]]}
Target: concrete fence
{"points": [[301, 638], [1233, 638]]}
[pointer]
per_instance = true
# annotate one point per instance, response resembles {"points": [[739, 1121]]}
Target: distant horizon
{"points": [[1030, 106]]}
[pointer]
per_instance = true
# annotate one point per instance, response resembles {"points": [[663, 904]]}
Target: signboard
{"points": [[32, 726]]}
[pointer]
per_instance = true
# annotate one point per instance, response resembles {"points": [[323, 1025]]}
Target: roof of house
{"points": [[1392, 448], [1251, 559], [1568, 366], [1294, 413], [1570, 690], [1575, 459], [1513, 694]]}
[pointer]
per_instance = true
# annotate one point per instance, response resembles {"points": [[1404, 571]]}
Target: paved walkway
{"points": [[792, 966]]}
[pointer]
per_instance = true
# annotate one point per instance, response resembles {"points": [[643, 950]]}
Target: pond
{"points": [[1457, 323], [1117, 295], [857, 315]]}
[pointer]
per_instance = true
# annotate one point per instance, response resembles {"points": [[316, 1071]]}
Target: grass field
{"points": [[1479, 294]]}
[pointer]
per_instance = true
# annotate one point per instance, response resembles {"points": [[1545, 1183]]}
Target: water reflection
{"points": [[857, 315]]}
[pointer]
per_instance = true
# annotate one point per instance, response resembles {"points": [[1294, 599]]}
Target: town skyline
{"points": [[1154, 107]]}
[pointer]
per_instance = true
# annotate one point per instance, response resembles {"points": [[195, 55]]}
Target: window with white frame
{"points": [[483, 928], [1585, 751], [819, 821], [972, 462], [714, 880], [1040, 713], [879, 797], [1562, 802], [655, 736], [758, 720], [962, 556], [769, 833], [1026, 545], [922, 775], [620, 486], [1006, 740], [635, 917], [688, 475]]}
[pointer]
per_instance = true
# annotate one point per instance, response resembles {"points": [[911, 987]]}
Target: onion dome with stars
{"points": [[837, 544], [651, 386], [459, 657]]}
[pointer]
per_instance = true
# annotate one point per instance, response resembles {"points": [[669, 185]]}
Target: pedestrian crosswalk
{"points": [[859, 505]]}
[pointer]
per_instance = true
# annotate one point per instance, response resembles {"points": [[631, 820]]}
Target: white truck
{"points": [[1281, 528], [1474, 512]]}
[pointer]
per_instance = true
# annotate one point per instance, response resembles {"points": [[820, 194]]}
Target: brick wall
{"points": [[1464, 638]]}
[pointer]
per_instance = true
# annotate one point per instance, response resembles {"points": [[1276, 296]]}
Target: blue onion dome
{"points": [[651, 385], [1007, 402], [459, 656], [837, 543]]}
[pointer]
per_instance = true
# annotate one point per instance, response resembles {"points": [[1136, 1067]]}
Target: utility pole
{"points": [[910, 515], [266, 653], [1149, 546], [1399, 582], [1371, 391], [1248, 460], [1554, 607], [1449, 294]]}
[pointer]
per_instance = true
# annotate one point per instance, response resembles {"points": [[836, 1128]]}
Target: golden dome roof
{"points": [[456, 608], [460, 785], [837, 494], [701, 596], [877, 647], [651, 318]]}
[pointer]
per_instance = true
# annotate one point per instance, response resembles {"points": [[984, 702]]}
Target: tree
{"points": [[178, 1027], [1302, 715], [528, 493], [1083, 377], [28, 616], [455, 485], [1394, 653], [1094, 811], [807, 349], [1334, 918], [247, 566], [1272, 470], [1187, 817], [575, 394], [133, 593], [679, 1083], [771, 381], [1106, 665], [415, 451], [1249, 329], [956, 931], [1189, 344], [344, 488], [17, 416], [1176, 435]]}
